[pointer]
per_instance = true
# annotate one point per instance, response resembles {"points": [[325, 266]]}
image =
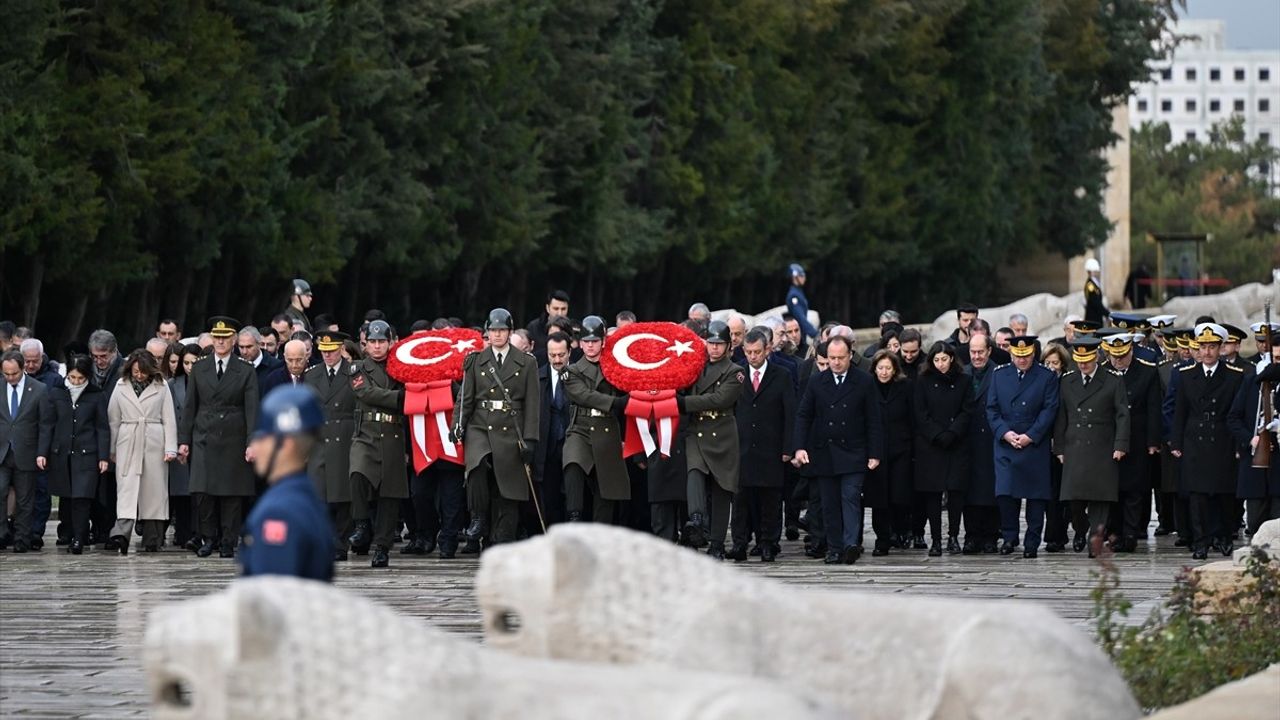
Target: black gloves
{"points": [[680, 404], [400, 400], [620, 403], [530, 447]]}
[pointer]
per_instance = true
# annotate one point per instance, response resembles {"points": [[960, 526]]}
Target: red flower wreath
{"points": [[432, 355], [653, 356]]}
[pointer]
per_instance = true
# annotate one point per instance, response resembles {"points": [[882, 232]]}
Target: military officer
{"points": [[330, 465], [1202, 439], [288, 532], [1231, 348], [711, 445], [500, 402], [593, 441], [1090, 437], [1095, 309], [379, 470], [1261, 339], [299, 301], [1138, 324], [798, 303], [1022, 406], [1142, 388], [214, 434]]}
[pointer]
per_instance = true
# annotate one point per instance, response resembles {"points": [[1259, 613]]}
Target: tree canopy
{"points": [[186, 157]]}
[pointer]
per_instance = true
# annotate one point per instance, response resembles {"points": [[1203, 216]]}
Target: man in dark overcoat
{"points": [[330, 461], [593, 443], [1129, 519]]}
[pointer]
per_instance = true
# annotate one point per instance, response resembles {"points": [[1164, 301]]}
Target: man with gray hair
{"points": [[156, 347], [889, 316], [106, 371], [699, 312], [38, 365], [1018, 324], [250, 346], [737, 334]]}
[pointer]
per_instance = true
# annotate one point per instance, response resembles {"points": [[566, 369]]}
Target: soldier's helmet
{"points": [[301, 287], [499, 319], [289, 410], [378, 330], [593, 328], [795, 269], [717, 332]]}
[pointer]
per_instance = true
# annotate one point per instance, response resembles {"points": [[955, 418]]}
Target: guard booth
{"points": [[1180, 266]]}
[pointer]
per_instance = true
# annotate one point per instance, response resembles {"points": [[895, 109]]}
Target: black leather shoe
{"points": [[970, 548], [990, 548], [448, 552], [793, 532], [1079, 542], [918, 543], [1008, 547], [471, 547], [1225, 547], [111, 543], [206, 549], [575, 516], [1181, 542], [880, 550], [953, 546], [121, 543], [21, 546], [1029, 554], [64, 542], [339, 555], [1200, 554], [193, 544], [832, 558], [429, 546], [851, 554], [1054, 547], [768, 554], [816, 551], [755, 551], [414, 547], [475, 530], [738, 553], [150, 548], [716, 551], [76, 548], [361, 538], [380, 558], [226, 550], [37, 543], [936, 550], [694, 535], [1161, 531]]}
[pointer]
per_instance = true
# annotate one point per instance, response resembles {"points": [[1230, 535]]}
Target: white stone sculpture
{"points": [[1267, 539], [282, 648], [595, 593]]}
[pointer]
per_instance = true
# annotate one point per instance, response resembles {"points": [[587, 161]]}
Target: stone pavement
{"points": [[71, 627]]}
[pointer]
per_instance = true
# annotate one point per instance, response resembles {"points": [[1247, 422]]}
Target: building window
{"points": [[1191, 106], [1191, 136], [1142, 106], [1237, 105], [1264, 74], [1215, 74], [1166, 73], [1239, 74], [1264, 137], [1191, 74], [1166, 106], [1264, 105], [1215, 106]]}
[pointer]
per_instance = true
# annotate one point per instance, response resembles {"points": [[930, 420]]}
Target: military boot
{"points": [[361, 538]]}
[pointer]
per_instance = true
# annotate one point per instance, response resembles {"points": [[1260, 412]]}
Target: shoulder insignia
{"points": [[795, 300], [1001, 367], [1185, 368], [357, 382], [1237, 368], [354, 369], [741, 376], [1148, 363], [275, 532], [202, 358], [1068, 373], [313, 367], [564, 375]]}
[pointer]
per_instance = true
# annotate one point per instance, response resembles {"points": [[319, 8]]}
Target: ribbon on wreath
{"points": [[430, 435], [646, 411]]}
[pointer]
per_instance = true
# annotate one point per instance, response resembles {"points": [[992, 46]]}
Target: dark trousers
{"points": [[955, 512], [23, 483], [152, 532], [932, 504], [1134, 514], [1010, 508], [385, 510], [1089, 517], [790, 499], [1206, 519], [340, 516], [43, 505], [75, 512], [1261, 510], [551, 488], [104, 509], [1166, 510], [919, 515], [426, 520], [881, 525], [664, 518], [1057, 520], [814, 514], [576, 485], [705, 493], [842, 509], [450, 500], [758, 509], [220, 516], [1182, 511], [902, 519], [981, 524], [485, 501], [180, 511]]}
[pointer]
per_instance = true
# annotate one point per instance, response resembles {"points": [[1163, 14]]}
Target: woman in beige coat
{"points": [[144, 439]]}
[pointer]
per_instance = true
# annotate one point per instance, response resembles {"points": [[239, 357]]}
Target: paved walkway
{"points": [[71, 627]]}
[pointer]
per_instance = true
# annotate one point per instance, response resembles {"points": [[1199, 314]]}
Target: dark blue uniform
{"points": [[798, 305], [288, 532]]}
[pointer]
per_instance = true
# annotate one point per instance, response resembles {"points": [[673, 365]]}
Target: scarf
{"points": [[138, 387], [75, 390]]}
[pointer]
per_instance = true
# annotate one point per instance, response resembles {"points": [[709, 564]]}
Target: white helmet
{"points": [[1091, 265]]}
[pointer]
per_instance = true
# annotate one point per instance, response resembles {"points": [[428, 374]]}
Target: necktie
{"points": [[333, 373], [1021, 375], [220, 369], [559, 394], [1086, 380], [13, 401], [755, 380], [500, 357], [839, 380], [1208, 374]]}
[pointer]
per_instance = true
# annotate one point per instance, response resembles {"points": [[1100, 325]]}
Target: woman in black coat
{"points": [[943, 404], [178, 360], [81, 446], [892, 480]]}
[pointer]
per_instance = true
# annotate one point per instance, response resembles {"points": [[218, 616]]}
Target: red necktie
{"points": [[755, 381]]}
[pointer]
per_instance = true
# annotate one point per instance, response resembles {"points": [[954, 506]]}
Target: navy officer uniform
{"points": [[1023, 400], [288, 532]]}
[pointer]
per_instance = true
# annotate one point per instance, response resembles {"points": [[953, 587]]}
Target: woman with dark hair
{"points": [[889, 341], [891, 481], [81, 447], [943, 403], [144, 438], [171, 362], [1057, 513], [180, 507]]}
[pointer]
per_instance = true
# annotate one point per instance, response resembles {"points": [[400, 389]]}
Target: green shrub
{"points": [[1180, 652]]}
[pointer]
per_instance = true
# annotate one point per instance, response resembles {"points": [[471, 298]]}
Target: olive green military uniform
{"points": [[593, 440], [1093, 423], [711, 446], [379, 477]]}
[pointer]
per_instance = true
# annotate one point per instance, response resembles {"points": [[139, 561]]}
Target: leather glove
{"points": [[530, 447], [620, 403], [680, 404], [455, 435], [400, 399]]}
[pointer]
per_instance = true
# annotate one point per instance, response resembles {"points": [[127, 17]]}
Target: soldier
{"points": [[298, 304], [593, 442], [1231, 348], [711, 445], [1259, 486], [1261, 339], [1138, 324], [1022, 405], [1202, 440], [1142, 388], [379, 470], [330, 465], [1095, 309], [798, 303], [1185, 356], [288, 532], [499, 409], [214, 434], [1090, 437]]}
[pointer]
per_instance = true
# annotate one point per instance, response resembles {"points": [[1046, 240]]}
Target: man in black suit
{"points": [[553, 420], [250, 344], [838, 430], [292, 371], [764, 414], [26, 432]]}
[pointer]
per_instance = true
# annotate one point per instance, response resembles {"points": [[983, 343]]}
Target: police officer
{"points": [[1202, 440], [711, 445], [797, 303], [288, 532], [499, 412], [298, 304], [379, 474], [1095, 310], [593, 441], [330, 464], [1141, 381]]}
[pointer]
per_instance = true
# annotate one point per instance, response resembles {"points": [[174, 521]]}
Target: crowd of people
{"points": [[790, 429]]}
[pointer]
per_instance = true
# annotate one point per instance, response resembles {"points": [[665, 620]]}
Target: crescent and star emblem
{"points": [[404, 353], [622, 351]]}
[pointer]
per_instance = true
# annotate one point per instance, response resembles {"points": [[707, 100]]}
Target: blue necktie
{"points": [[13, 402]]}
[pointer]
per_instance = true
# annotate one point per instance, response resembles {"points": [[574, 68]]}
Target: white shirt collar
{"points": [[258, 360], [1210, 368], [764, 366]]}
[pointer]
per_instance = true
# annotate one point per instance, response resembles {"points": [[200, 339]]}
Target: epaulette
{"points": [[354, 369], [241, 359], [1237, 368], [1069, 372], [1001, 367], [1185, 368], [1148, 363], [202, 358], [313, 367]]}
